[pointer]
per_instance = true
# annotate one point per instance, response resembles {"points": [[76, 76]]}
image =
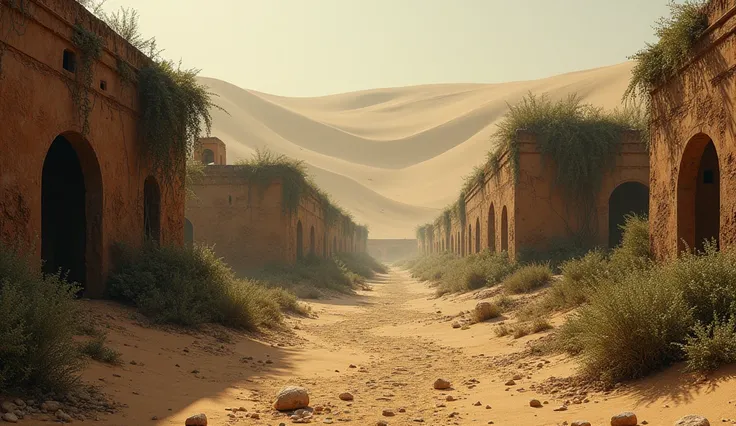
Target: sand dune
{"points": [[392, 156]]}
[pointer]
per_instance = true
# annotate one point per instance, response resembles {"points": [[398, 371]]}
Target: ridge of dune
{"points": [[392, 156]]}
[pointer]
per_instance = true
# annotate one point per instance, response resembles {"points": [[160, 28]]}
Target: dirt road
{"points": [[386, 347]]}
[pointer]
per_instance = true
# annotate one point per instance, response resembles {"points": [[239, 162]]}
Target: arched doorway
{"points": [[188, 232], [628, 198], [299, 241], [312, 251], [492, 229], [71, 212], [477, 235], [470, 239], [208, 157], [698, 194], [452, 243], [152, 209], [324, 245], [460, 243], [504, 230]]}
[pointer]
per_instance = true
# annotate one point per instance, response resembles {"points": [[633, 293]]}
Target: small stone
{"points": [[382, 423], [510, 383], [561, 408], [535, 403], [352, 366], [450, 398], [388, 413], [346, 396], [20, 403], [477, 404], [692, 420], [441, 384], [488, 407], [64, 417], [456, 325], [10, 418], [624, 419], [197, 420], [8, 407], [51, 406], [580, 423]]}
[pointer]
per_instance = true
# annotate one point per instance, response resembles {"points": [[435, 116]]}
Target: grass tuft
{"points": [[527, 279]]}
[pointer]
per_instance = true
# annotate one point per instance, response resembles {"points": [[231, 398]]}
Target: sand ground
{"points": [[400, 339]]}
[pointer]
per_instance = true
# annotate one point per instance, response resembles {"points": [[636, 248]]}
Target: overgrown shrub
{"points": [[38, 322], [711, 345], [190, 286], [677, 34], [475, 271], [362, 264], [557, 252], [528, 278], [97, 349]]}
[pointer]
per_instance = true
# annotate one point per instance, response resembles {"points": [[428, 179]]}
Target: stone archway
{"points": [[71, 212], [299, 241], [628, 198], [208, 157], [470, 239], [312, 251], [492, 229], [504, 230], [152, 210], [698, 194], [188, 232], [477, 235]]}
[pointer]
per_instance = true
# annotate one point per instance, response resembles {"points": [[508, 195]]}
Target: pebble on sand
{"points": [[441, 384], [291, 398]]}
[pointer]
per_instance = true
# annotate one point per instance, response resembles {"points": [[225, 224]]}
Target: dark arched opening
{"points": [[152, 209], [698, 194], [324, 245], [311, 241], [188, 232], [628, 198], [504, 230], [477, 235], [492, 229], [334, 245], [470, 239], [452, 243], [71, 213], [208, 157], [299, 241]]}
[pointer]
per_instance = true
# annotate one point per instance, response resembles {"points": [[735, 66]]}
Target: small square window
{"points": [[708, 176], [103, 85], [70, 61]]}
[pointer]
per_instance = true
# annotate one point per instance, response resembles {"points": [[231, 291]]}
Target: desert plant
{"points": [[711, 345], [39, 321], [528, 278], [97, 349]]}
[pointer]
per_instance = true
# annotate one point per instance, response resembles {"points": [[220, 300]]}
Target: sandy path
{"points": [[399, 344]]}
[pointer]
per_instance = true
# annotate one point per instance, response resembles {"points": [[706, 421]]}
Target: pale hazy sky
{"points": [[318, 47]]}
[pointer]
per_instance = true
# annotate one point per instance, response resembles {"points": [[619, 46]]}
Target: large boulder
{"points": [[441, 384], [291, 398], [624, 419], [197, 420], [692, 420]]}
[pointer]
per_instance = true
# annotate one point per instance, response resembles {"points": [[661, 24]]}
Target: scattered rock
{"points": [[456, 325], [51, 406], [197, 420], [388, 413], [291, 398], [624, 419], [10, 418], [346, 396], [692, 420], [477, 404], [450, 398], [510, 383], [535, 403], [561, 408], [441, 384], [580, 423], [8, 407], [382, 423], [64, 417]]}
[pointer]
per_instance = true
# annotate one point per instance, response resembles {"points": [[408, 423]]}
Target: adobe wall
{"points": [[244, 222], [217, 149], [36, 106], [688, 111], [484, 226], [392, 250], [537, 213]]}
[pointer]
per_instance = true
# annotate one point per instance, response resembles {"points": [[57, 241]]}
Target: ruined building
{"points": [[530, 213], [72, 182], [694, 144], [250, 224]]}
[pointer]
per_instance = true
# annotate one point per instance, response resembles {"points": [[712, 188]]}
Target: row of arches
{"points": [[340, 245], [72, 210]]}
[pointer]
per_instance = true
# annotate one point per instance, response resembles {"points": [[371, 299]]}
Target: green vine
{"points": [[90, 48], [677, 34], [12, 23]]}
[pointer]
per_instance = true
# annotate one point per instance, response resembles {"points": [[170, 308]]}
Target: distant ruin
{"points": [[250, 227], [392, 250], [73, 179], [530, 213]]}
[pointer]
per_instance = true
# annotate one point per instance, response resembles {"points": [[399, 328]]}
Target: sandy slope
{"points": [[405, 149], [400, 340]]}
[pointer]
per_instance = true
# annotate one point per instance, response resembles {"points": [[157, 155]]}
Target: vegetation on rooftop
{"points": [[677, 34]]}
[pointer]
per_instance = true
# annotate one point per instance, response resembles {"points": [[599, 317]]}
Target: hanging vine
{"points": [[14, 16], [90, 48]]}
